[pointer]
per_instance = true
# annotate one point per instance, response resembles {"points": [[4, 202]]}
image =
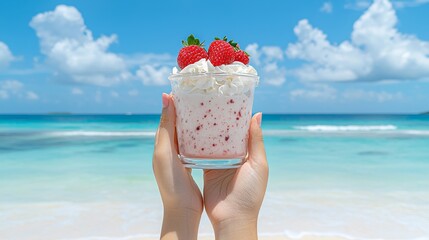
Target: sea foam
{"points": [[337, 128], [102, 134]]}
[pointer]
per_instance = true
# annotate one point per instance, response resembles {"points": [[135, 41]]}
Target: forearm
{"points": [[180, 224], [236, 230]]}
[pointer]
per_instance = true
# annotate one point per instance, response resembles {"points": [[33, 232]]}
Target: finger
{"points": [[256, 142], [165, 137], [176, 141]]}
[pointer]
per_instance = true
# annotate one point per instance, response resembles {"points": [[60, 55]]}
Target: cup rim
{"points": [[211, 74]]}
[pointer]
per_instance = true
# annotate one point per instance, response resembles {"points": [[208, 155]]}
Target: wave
{"points": [[102, 134], [347, 133], [339, 128], [416, 132], [299, 131]]}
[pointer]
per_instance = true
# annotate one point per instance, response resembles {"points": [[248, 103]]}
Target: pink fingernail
{"points": [[259, 119], [165, 100]]}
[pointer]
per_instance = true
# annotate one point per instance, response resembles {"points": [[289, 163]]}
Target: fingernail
{"points": [[259, 119], [165, 100]]}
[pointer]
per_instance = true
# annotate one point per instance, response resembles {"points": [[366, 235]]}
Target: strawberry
{"points": [[191, 52], [242, 56], [221, 52]]}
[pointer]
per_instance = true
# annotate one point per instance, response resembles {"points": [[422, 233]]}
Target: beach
{"points": [[331, 177]]}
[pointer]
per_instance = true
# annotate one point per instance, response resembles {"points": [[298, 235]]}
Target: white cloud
{"points": [[153, 75], [31, 95], [9, 88], [273, 74], [11, 85], [272, 53], [315, 92], [377, 50], [409, 3], [6, 56], [154, 69], [267, 59], [76, 91], [133, 93], [358, 4], [363, 4], [73, 53], [379, 96], [323, 92], [327, 7], [327, 62], [253, 51]]}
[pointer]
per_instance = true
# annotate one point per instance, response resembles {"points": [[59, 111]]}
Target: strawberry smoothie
{"points": [[213, 109]]}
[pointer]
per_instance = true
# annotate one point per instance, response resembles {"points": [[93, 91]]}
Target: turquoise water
{"points": [[350, 176]]}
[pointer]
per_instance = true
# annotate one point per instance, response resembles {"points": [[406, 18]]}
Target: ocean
{"points": [[90, 177]]}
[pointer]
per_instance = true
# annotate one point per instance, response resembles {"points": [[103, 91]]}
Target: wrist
{"points": [[180, 224], [181, 211], [236, 229]]}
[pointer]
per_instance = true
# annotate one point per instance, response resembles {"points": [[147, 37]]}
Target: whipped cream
{"points": [[225, 85]]}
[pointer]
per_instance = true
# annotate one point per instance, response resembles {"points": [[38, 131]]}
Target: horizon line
{"points": [[291, 113]]}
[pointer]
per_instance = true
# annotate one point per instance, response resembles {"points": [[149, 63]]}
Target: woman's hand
{"points": [[233, 197], [181, 197]]}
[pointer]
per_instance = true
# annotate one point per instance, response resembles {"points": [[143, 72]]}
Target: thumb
{"points": [[256, 142], [165, 137]]}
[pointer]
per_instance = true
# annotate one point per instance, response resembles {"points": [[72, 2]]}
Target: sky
{"points": [[111, 56]]}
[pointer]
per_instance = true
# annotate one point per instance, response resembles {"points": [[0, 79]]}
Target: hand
{"points": [[181, 197], [233, 197]]}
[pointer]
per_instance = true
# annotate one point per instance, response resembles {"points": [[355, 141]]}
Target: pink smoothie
{"points": [[212, 125], [213, 113]]}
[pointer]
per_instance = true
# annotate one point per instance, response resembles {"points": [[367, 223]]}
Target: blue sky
{"points": [[313, 56]]}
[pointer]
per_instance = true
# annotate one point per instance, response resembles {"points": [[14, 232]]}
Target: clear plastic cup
{"points": [[213, 113]]}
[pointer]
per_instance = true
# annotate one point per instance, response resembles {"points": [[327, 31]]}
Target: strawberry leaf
{"points": [[191, 40]]}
